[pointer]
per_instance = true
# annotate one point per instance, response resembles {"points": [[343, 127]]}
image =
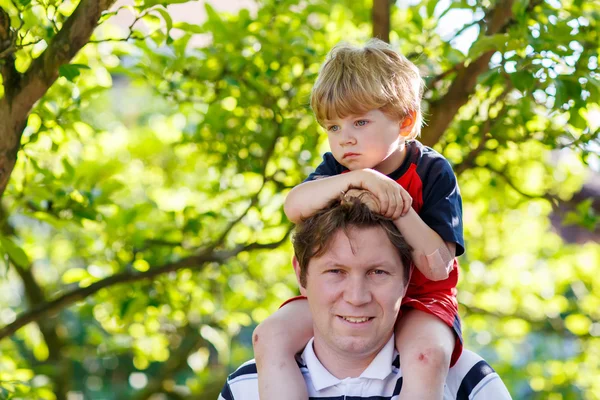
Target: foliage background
{"points": [[143, 235]]}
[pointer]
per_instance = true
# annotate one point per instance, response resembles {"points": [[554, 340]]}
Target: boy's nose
{"points": [[347, 138]]}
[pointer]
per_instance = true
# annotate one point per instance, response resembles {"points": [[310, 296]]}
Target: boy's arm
{"points": [[435, 233], [309, 197], [431, 254]]}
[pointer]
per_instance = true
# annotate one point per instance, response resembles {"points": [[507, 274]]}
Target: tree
{"points": [[142, 221]]}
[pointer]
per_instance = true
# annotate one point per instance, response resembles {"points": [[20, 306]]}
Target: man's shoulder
{"points": [[242, 383], [473, 378]]}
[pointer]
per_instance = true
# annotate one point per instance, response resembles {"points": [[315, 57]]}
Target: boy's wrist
{"points": [[405, 219]]}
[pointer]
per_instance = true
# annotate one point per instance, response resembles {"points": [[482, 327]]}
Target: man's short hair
{"points": [[313, 235], [354, 80]]}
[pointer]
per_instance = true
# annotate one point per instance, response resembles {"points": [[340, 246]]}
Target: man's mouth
{"points": [[355, 320]]}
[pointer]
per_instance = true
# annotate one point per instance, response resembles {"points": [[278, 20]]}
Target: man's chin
{"points": [[357, 346]]}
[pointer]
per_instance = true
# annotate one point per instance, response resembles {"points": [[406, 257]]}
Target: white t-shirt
{"points": [[471, 378]]}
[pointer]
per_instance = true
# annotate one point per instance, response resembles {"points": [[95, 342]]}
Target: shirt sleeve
{"points": [[442, 204], [492, 389], [328, 167], [226, 393]]}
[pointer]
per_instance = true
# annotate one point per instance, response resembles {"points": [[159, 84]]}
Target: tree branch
{"points": [[433, 80], [21, 92], [444, 110], [488, 125], [197, 261], [554, 200], [550, 325]]}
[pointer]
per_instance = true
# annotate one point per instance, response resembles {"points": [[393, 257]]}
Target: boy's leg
{"points": [[425, 344], [276, 341]]}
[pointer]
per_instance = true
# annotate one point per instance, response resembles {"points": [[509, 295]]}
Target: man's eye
{"points": [[379, 272], [361, 122], [334, 271]]}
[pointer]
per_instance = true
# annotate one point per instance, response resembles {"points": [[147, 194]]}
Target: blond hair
{"points": [[354, 80]]}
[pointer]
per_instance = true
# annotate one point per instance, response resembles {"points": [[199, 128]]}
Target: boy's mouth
{"points": [[350, 155]]}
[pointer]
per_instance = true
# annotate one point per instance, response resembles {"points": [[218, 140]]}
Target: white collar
{"points": [[380, 367]]}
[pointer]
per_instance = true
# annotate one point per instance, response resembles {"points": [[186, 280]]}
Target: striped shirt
{"points": [[471, 378]]}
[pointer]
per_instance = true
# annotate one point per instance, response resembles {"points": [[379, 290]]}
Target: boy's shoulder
{"points": [[423, 153], [427, 160]]}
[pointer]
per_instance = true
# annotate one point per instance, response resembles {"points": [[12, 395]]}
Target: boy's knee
{"points": [[432, 357], [269, 333]]}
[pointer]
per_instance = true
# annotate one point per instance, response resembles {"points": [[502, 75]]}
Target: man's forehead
{"points": [[359, 242]]}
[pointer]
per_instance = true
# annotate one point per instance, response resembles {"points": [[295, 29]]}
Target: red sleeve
{"points": [[292, 299]]}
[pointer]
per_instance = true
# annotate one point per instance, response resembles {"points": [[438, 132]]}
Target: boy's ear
{"points": [[297, 271], [408, 123]]}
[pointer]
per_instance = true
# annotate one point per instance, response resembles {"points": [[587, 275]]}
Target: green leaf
{"points": [[211, 13], [164, 3], [576, 119], [486, 43], [69, 170], [522, 80], [431, 7], [519, 7], [16, 254], [74, 275], [167, 17], [191, 28], [578, 324], [71, 71]]}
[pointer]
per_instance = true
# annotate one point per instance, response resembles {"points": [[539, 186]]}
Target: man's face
{"points": [[354, 293]]}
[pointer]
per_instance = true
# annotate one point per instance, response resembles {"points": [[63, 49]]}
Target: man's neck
{"points": [[342, 365]]}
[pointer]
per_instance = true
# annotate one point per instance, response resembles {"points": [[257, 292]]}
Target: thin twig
{"points": [[488, 125]]}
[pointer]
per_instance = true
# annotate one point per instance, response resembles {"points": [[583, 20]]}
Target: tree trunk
{"points": [[10, 138], [381, 19]]}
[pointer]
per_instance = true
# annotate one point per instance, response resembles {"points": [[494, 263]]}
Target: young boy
{"points": [[368, 100]]}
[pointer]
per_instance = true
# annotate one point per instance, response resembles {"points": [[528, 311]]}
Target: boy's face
{"points": [[372, 140]]}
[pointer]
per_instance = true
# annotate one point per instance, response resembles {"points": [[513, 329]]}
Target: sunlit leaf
{"points": [[15, 253]]}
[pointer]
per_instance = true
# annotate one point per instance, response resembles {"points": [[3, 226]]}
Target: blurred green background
{"points": [[142, 234]]}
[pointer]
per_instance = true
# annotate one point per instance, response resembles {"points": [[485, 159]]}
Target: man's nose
{"points": [[357, 291]]}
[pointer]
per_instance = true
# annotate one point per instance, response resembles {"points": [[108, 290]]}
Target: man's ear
{"points": [[408, 123], [297, 271]]}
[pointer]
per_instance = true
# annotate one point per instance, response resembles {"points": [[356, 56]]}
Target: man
{"points": [[353, 267]]}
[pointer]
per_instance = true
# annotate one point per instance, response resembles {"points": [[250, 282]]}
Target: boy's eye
{"points": [[333, 128], [361, 122]]}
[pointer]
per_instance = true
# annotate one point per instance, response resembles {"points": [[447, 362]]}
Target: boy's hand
{"points": [[365, 197], [394, 201]]}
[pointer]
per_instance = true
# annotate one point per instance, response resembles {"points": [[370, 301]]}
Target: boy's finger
{"points": [[406, 203], [396, 211], [384, 203], [393, 206]]}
